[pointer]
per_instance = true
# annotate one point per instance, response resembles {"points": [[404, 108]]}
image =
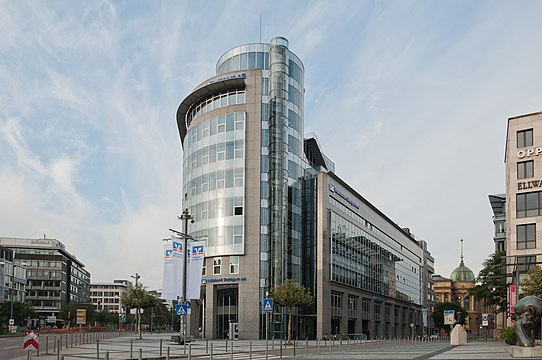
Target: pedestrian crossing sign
{"points": [[268, 305]]}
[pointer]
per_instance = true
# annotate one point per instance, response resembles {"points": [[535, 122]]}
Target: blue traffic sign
{"points": [[268, 305], [180, 309], [188, 304]]}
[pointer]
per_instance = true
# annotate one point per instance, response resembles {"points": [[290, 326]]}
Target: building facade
{"points": [[105, 296], [54, 276], [12, 277], [523, 160], [261, 195]]}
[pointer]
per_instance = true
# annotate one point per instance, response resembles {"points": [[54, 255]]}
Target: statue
{"points": [[528, 314]]}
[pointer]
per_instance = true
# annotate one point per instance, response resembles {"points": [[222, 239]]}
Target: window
{"points": [[336, 299], [526, 236], [525, 169], [217, 263], [234, 264], [526, 263], [238, 234], [204, 268], [525, 138], [528, 204]]}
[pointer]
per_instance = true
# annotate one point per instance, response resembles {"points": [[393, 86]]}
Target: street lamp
{"points": [[138, 315], [185, 216]]}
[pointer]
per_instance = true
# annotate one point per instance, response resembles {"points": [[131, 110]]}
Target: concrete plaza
{"points": [[158, 346]]}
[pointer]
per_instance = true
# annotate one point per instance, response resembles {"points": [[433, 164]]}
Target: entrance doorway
{"points": [[227, 300]]}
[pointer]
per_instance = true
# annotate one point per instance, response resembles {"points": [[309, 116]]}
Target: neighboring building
{"points": [[523, 196], [498, 205], [106, 296], [54, 276], [12, 277], [456, 290], [271, 207]]}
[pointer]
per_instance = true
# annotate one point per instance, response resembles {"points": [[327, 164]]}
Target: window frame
{"points": [[523, 168], [524, 138]]}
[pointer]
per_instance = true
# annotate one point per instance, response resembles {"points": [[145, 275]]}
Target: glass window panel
{"points": [[259, 60], [243, 61], [251, 60]]}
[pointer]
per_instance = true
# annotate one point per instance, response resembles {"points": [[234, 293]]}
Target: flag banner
{"points": [[177, 262], [195, 267], [167, 277]]}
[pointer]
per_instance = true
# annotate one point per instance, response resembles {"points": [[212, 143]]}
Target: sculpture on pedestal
{"points": [[528, 314]]}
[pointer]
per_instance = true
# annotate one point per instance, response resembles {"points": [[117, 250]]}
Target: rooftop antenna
{"points": [[260, 28]]}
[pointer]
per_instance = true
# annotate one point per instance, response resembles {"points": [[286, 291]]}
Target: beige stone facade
{"points": [[523, 159]]}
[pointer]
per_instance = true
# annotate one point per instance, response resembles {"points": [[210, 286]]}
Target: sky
{"points": [[410, 99]]}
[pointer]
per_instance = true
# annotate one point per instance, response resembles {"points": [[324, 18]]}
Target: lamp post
{"points": [[186, 217], [138, 315]]}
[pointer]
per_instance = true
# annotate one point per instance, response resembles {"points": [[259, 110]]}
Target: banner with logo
{"points": [[513, 298], [195, 267], [167, 277], [177, 262]]}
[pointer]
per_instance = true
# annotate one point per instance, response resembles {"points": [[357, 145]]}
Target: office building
{"points": [[12, 277], [54, 276], [106, 296], [523, 205], [271, 207]]}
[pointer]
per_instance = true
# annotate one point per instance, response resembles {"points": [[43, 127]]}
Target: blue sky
{"points": [[409, 98]]}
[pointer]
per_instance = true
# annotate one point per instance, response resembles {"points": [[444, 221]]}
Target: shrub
{"points": [[508, 334]]}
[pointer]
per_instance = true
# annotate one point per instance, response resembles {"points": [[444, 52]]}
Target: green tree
{"points": [[532, 284], [438, 314], [290, 294], [21, 312], [68, 313], [491, 283], [138, 298], [107, 318]]}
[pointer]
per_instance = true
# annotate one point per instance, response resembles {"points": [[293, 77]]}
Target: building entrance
{"points": [[227, 309]]}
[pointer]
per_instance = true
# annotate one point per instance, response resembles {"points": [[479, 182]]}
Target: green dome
{"points": [[462, 273]]}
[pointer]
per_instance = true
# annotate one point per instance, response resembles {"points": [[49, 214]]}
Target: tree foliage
{"points": [[438, 314], [21, 312], [532, 284], [68, 313], [138, 298], [290, 294], [491, 283]]}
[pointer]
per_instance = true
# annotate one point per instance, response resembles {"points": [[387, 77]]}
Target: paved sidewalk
{"points": [[130, 347]]}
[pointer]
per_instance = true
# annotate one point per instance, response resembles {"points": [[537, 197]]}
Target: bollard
{"points": [[140, 354], [54, 344], [60, 343], [97, 349], [307, 346], [107, 355], [231, 351], [206, 346], [46, 345], [190, 351], [250, 350], [273, 343], [58, 349], [160, 347], [340, 345], [131, 347], [226, 344], [62, 357], [294, 348], [167, 353], [211, 353], [281, 348], [318, 346], [184, 345]]}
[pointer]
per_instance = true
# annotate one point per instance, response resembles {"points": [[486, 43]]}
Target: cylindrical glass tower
{"points": [[242, 136]]}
